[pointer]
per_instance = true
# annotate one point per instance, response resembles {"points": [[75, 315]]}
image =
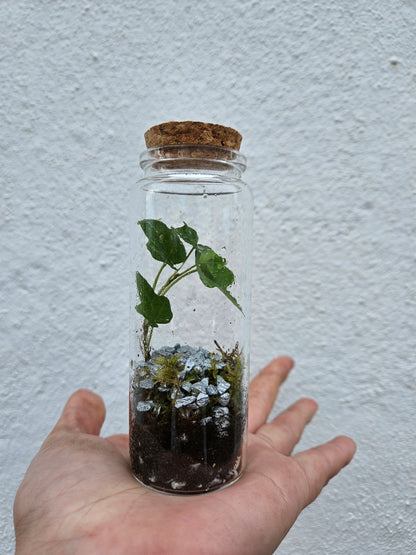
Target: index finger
{"points": [[84, 412], [263, 391]]}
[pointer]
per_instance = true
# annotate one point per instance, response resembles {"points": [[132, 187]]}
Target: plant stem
{"points": [[170, 283], [158, 275], [172, 280], [150, 339], [173, 276], [145, 342], [187, 256]]}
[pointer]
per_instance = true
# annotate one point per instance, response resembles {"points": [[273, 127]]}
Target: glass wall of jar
{"points": [[190, 312]]}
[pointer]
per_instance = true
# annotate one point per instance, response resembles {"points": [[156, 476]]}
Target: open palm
{"points": [[79, 495]]}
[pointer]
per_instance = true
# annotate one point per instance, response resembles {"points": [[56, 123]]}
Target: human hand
{"points": [[79, 495]]}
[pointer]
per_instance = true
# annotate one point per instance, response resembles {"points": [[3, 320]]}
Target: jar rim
{"points": [[200, 152]]}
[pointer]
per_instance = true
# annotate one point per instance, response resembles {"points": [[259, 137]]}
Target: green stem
{"points": [[187, 256], [145, 343], [175, 278], [172, 280], [158, 275], [149, 339]]}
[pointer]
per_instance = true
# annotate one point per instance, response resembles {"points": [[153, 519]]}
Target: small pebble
{"points": [[224, 399], [187, 386], [177, 485], [202, 400], [220, 412], [206, 420], [199, 386], [185, 401], [212, 390], [222, 385], [147, 383], [144, 406]]}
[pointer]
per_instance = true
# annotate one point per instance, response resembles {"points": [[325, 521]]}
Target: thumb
{"points": [[84, 412]]}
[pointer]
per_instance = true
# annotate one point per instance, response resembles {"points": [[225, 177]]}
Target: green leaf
{"points": [[164, 243], [232, 299], [213, 271], [188, 234], [155, 308], [212, 268]]}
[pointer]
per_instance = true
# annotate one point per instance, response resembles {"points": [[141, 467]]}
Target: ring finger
{"points": [[284, 431]]}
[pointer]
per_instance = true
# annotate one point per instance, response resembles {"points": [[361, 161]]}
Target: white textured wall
{"points": [[324, 94]]}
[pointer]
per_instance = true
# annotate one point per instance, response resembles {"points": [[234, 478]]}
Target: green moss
{"points": [[168, 369], [233, 372]]}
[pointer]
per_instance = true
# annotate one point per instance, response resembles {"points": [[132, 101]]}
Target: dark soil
{"points": [[181, 454], [188, 419]]}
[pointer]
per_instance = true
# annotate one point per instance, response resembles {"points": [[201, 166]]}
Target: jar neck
{"points": [[218, 162]]}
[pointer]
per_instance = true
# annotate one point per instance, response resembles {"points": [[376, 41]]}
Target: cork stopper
{"points": [[192, 133]]}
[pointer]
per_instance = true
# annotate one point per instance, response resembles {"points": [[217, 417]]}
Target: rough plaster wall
{"points": [[324, 94]]}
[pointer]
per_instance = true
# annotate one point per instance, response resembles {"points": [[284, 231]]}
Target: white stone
{"points": [[224, 399], [202, 400], [147, 383], [145, 406], [222, 385], [177, 485], [185, 401]]}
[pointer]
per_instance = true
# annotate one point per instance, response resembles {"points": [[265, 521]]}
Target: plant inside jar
{"points": [[187, 406]]}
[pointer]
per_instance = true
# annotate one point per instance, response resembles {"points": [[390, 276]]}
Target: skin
{"points": [[79, 496]]}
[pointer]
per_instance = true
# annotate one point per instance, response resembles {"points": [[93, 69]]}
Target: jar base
{"points": [[182, 491]]}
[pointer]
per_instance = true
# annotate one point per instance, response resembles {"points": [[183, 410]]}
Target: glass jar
{"points": [[191, 226]]}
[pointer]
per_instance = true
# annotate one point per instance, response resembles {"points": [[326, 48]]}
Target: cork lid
{"points": [[192, 133]]}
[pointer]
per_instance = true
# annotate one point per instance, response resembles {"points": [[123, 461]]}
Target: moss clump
{"points": [[168, 369]]}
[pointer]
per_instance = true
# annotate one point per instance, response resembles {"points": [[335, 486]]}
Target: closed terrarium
{"points": [[189, 335]]}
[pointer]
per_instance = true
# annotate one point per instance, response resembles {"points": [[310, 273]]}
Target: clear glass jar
{"points": [[191, 226]]}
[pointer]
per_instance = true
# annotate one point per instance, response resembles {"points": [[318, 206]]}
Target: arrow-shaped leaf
{"points": [[213, 271], [188, 234], [164, 243], [155, 308]]}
